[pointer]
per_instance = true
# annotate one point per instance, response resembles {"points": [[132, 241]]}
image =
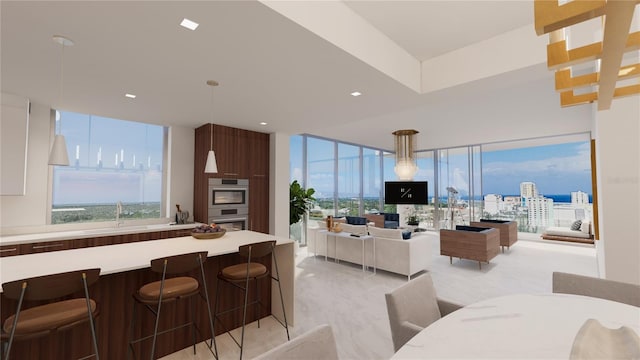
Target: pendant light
{"points": [[211, 167], [406, 166], [59, 155]]}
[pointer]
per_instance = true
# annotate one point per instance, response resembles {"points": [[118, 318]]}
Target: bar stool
{"points": [[239, 275], [50, 318], [154, 294]]}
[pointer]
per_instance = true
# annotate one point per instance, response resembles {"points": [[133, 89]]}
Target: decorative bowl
{"points": [[209, 235]]}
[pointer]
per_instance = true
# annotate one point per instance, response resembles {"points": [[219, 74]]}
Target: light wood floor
{"points": [[353, 303]]}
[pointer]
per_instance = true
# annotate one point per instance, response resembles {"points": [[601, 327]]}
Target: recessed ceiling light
{"points": [[356, 93], [130, 96], [191, 25], [263, 123]]}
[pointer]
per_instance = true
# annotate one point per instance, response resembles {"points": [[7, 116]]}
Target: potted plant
{"points": [[413, 219], [300, 201]]}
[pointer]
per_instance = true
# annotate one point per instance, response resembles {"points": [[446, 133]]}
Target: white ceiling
{"points": [[429, 28], [269, 68]]}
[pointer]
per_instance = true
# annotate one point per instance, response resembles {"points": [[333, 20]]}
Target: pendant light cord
{"points": [[211, 131], [61, 86]]}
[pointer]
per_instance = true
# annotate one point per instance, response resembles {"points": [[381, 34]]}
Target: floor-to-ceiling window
{"points": [[321, 170], [349, 180], [538, 182], [371, 180]]}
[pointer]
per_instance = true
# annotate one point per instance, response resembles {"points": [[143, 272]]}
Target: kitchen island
{"points": [[124, 268]]}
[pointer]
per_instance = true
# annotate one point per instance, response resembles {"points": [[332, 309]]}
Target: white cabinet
{"points": [[14, 131]]}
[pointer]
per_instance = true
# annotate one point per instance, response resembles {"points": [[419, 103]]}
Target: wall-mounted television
{"points": [[406, 192]]}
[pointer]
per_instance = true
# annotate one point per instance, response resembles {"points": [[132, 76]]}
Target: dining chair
{"points": [[414, 306], [47, 319], [240, 275], [174, 285], [316, 344], [626, 293]]}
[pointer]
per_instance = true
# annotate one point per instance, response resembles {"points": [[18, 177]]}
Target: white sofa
{"points": [[584, 235], [393, 254], [396, 255]]}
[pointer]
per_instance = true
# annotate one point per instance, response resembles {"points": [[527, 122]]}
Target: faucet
{"points": [[118, 213]]}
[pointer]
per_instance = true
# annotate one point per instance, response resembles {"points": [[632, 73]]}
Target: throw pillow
{"points": [[406, 235], [576, 225], [586, 227]]}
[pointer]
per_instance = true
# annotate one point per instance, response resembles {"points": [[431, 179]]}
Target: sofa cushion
{"points": [[576, 225], [354, 229], [385, 233], [563, 231]]}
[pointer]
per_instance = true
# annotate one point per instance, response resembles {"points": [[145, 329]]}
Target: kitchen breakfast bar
{"points": [[124, 268]]}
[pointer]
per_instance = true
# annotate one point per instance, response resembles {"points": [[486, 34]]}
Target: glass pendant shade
{"points": [[211, 166], [59, 155], [406, 167], [405, 170]]}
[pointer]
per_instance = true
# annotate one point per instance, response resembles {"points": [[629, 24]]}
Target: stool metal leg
{"points": [[193, 323], [244, 308], [206, 295], [90, 314], [155, 331], [15, 320], [131, 330]]}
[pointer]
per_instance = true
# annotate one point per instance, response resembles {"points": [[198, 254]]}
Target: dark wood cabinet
{"points": [[46, 246], [240, 154]]}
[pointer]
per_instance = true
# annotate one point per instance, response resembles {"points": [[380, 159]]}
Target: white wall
{"points": [[618, 163], [279, 185], [31, 209], [28, 213], [181, 167]]}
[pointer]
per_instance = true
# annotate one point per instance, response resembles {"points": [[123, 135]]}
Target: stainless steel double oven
{"points": [[229, 203]]}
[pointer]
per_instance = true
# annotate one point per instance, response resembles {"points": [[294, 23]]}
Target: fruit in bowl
{"points": [[212, 231], [207, 228]]}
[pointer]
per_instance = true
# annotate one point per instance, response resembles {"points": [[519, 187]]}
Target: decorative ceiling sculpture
{"points": [[552, 18]]}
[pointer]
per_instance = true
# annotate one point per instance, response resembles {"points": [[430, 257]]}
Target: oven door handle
{"points": [[226, 219], [239, 188]]}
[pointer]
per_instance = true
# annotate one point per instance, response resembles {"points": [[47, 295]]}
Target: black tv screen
{"points": [[406, 192]]}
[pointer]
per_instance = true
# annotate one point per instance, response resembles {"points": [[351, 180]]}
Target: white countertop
{"points": [[82, 234], [516, 326], [123, 257]]}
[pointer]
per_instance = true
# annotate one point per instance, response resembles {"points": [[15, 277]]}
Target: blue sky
{"points": [[556, 169]]}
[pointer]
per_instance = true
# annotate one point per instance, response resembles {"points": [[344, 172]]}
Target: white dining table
{"points": [[519, 326]]}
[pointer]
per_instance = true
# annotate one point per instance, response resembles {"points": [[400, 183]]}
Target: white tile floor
{"points": [[353, 303]]}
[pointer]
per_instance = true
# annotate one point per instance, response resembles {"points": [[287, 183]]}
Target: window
{"points": [[111, 161], [371, 180], [538, 182], [321, 175], [348, 180]]}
